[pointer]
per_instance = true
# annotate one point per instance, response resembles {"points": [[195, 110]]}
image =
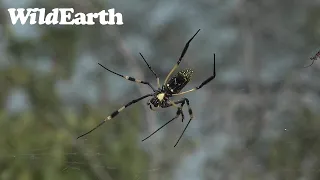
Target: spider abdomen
{"points": [[179, 81]]}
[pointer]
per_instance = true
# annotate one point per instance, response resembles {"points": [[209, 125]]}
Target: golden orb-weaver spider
{"points": [[161, 96]]}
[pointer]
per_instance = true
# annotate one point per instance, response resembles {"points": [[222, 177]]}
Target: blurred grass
{"points": [[48, 124]]}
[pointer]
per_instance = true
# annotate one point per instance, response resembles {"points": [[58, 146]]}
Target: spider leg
{"points": [[310, 64], [177, 115], [115, 113], [129, 78], [191, 117], [158, 80], [181, 56], [171, 103], [179, 112], [153, 109], [182, 115], [181, 102], [204, 82]]}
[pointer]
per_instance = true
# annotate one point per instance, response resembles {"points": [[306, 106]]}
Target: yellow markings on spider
{"points": [[132, 79], [122, 108], [185, 92], [108, 118], [174, 68], [173, 104], [160, 96]]}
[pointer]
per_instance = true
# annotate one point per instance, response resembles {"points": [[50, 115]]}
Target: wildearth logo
{"points": [[63, 16]]}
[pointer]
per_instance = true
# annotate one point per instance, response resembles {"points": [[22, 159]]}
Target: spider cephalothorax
{"points": [[161, 97], [159, 100], [174, 85]]}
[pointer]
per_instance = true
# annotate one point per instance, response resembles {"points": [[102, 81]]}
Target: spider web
{"points": [[72, 161]]}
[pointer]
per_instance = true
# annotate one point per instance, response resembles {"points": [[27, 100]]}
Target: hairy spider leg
{"points": [[129, 78], [204, 82], [115, 113], [181, 56], [155, 74]]}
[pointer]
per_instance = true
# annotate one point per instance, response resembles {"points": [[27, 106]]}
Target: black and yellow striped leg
{"points": [[129, 78], [204, 82], [191, 117], [177, 115], [158, 80], [115, 113], [181, 56]]}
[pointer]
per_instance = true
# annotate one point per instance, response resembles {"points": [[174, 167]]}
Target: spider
{"points": [[161, 97], [315, 57]]}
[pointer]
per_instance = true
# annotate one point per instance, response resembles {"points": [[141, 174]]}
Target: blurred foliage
{"points": [[22, 135], [49, 124], [298, 144]]}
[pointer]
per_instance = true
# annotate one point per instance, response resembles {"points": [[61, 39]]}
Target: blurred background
{"points": [[258, 120]]}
